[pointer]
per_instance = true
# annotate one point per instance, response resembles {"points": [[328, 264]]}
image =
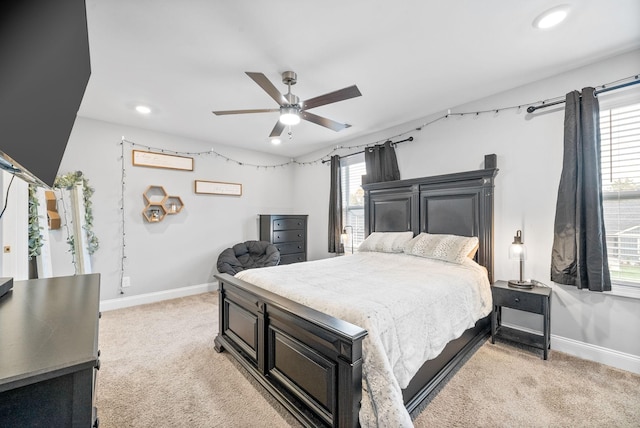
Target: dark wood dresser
{"points": [[288, 233], [49, 352]]}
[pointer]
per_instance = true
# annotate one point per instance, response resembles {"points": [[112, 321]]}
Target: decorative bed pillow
{"points": [[386, 242], [450, 248]]}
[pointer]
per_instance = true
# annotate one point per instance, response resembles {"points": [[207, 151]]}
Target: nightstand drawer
{"points": [[518, 300]]}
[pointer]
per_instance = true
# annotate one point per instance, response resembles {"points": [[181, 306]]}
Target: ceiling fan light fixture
{"points": [[289, 116]]}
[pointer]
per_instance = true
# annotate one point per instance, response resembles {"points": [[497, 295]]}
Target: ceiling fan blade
{"points": [[332, 97], [258, 110], [268, 87], [323, 121], [277, 130]]}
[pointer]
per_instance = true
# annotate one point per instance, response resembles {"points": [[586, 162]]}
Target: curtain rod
{"points": [[531, 109], [362, 151]]}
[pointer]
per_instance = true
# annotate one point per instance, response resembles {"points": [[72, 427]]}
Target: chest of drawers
{"points": [[288, 233]]}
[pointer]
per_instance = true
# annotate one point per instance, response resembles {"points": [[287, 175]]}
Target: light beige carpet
{"points": [[159, 369]]}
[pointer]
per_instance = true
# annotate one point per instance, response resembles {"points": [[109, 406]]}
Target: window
{"points": [[620, 137], [352, 169]]}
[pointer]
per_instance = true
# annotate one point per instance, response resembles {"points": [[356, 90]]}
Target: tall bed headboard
{"points": [[459, 204]]}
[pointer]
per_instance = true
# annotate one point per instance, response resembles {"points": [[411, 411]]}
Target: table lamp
{"points": [[517, 251]]}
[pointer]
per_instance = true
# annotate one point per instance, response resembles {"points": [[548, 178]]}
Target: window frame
{"points": [[607, 102]]}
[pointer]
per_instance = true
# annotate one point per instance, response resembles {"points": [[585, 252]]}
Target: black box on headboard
{"points": [[490, 161]]}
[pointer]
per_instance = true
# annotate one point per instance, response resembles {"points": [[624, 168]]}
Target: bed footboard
{"points": [[309, 361]]}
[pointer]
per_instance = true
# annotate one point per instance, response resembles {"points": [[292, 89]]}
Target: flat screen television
{"points": [[44, 70]]}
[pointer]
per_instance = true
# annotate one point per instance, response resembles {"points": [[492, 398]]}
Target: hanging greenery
{"points": [[67, 181], [35, 237]]}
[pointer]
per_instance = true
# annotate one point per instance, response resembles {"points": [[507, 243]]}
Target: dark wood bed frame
{"points": [[312, 362]]}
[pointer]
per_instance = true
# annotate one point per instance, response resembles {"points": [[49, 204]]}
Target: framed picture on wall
{"points": [[161, 160], [218, 188]]}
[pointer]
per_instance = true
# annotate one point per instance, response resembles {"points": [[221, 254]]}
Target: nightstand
{"points": [[536, 300]]}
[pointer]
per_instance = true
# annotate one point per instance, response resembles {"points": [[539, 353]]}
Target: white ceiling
{"points": [[409, 59]]}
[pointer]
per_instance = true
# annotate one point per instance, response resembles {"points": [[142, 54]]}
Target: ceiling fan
{"points": [[291, 108]]}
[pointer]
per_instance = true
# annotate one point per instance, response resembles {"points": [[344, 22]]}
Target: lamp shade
{"points": [[345, 235], [517, 250]]}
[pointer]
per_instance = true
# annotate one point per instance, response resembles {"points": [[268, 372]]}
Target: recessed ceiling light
{"points": [[551, 17], [143, 109], [276, 141]]}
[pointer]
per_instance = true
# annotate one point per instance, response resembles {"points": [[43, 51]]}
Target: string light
{"points": [[476, 114], [66, 227], [122, 214]]}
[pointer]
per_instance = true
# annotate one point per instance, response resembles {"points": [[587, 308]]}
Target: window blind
{"points": [[620, 161], [352, 169]]}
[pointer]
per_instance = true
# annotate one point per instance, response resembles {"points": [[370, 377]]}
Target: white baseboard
{"points": [[587, 351], [143, 299]]}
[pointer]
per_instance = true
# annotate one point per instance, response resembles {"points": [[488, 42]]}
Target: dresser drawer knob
{"points": [[97, 364], [517, 299]]}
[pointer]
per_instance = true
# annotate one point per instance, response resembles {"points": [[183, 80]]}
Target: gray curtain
{"points": [[381, 163], [335, 207], [579, 254]]}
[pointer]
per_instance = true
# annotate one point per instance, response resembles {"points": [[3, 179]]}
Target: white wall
{"points": [[312, 197], [181, 250], [529, 151]]}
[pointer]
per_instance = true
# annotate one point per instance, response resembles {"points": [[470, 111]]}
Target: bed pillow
{"points": [[474, 250], [450, 248], [386, 242]]}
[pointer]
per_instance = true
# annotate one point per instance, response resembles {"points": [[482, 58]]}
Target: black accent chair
{"points": [[248, 255]]}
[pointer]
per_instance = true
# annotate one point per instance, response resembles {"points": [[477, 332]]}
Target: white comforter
{"points": [[410, 306]]}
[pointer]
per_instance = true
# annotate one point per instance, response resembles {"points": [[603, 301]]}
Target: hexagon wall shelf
{"points": [[159, 204]]}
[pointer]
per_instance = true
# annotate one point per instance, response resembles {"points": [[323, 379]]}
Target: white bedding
{"points": [[410, 306]]}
